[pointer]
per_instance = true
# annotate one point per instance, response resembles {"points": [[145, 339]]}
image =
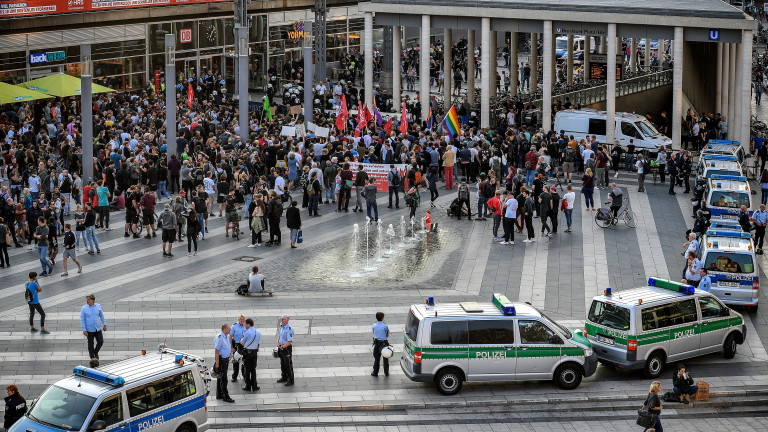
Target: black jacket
{"points": [[15, 408], [293, 218]]}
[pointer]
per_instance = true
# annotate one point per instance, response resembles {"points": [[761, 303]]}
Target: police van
{"points": [[648, 327], [713, 164], [164, 391], [724, 195], [729, 258], [450, 343], [724, 147]]}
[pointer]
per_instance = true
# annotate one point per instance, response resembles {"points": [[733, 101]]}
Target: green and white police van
{"points": [[648, 327], [450, 343], [729, 257], [164, 391]]}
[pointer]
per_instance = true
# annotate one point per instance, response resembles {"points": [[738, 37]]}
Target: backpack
{"points": [[408, 200], [463, 192], [395, 179], [497, 164], [489, 190], [570, 155], [311, 188], [670, 396], [199, 175], [27, 293], [418, 177]]}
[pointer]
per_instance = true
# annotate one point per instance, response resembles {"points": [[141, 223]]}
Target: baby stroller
{"points": [[456, 207]]}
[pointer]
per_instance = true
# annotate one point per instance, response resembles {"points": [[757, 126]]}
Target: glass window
{"points": [[160, 393], [596, 126], [412, 327], [258, 28], [14, 60], [668, 315], [449, 333], [535, 332], [156, 39], [62, 409], [492, 332], [609, 315], [711, 308], [729, 262], [110, 410], [210, 33], [684, 312], [647, 128], [628, 130], [729, 199]]}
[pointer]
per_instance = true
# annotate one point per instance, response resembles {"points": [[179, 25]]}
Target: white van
{"points": [[587, 122], [579, 43]]}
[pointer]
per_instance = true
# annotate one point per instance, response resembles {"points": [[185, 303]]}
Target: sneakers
{"points": [[251, 245], [154, 234], [108, 229], [616, 175], [189, 254], [44, 332], [65, 274], [79, 269], [165, 254], [33, 330], [497, 239], [170, 255], [194, 254], [148, 237], [136, 236], [126, 234], [44, 274], [29, 247], [504, 242]]}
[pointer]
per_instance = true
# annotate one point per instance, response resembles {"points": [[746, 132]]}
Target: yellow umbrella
{"points": [[11, 94], [61, 85]]}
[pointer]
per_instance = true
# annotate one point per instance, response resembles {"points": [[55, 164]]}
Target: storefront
{"points": [[126, 56]]}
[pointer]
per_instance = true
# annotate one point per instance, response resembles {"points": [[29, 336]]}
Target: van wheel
{"points": [[186, 427], [655, 365], [729, 347], [568, 376], [448, 381]]}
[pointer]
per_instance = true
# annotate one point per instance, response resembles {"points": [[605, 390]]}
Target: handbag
{"points": [[300, 237], [645, 417]]}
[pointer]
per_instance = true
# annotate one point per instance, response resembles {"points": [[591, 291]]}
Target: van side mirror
{"points": [[98, 425]]}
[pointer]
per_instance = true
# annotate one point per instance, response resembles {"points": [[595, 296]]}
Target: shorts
{"points": [[131, 217], [232, 217], [169, 236], [568, 167], [69, 253], [149, 217], [205, 215], [220, 199], [153, 187]]}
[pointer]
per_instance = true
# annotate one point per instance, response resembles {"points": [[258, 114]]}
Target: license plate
{"points": [[605, 340], [728, 284], [729, 216]]}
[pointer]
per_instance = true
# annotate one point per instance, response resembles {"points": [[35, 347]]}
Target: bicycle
{"points": [[604, 217], [233, 223], [140, 223]]}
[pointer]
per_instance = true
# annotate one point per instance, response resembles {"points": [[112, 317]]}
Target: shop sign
{"points": [[185, 35], [48, 7], [298, 31], [47, 57]]}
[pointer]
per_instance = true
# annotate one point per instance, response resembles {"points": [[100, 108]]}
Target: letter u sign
{"points": [[714, 35]]}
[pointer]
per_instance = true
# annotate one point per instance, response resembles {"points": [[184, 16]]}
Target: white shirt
{"points": [[587, 154], [640, 167], [279, 185], [570, 198], [255, 282]]}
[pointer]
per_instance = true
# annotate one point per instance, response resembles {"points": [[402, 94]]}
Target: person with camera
{"points": [[250, 341], [682, 384]]}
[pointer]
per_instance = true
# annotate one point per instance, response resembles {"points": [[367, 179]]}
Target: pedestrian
{"points": [[314, 190], [147, 202], [463, 195], [167, 222], [274, 213], [691, 273], [285, 351], [569, 199], [93, 324], [661, 160], [761, 218], [257, 224], [545, 207], [432, 178], [33, 290], [90, 230], [5, 239], [230, 214], [394, 180], [653, 405], [672, 170], [764, 187], [103, 195], [41, 234], [380, 339], [588, 189], [293, 222], [250, 341], [413, 199], [510, 215], [529, 209], [369, 193], [495, 205], [193, 230], [69, 249], [222, 346], [236, 331], [15, 406], [361, 180], [640, 165]]}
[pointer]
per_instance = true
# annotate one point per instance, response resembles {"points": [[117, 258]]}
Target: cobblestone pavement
{"points": [[183, 300]]}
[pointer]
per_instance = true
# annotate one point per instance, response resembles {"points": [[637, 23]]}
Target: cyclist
{"points": [[617, 198], [230, 208]]}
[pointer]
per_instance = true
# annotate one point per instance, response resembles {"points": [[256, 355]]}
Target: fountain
{"points": [[402, 229], [378, 242], [367, 229], [355, 236], [390, 233], [424, 224], [413, 233]]}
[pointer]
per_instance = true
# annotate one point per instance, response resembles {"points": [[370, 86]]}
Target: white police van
{"points": [[648, 327], [164, 391], [715, 164], [447, 344], [729, 257], [724, 147], [724, 196]]}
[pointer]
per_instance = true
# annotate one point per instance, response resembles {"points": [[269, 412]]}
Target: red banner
{"points": [[47, 7]]}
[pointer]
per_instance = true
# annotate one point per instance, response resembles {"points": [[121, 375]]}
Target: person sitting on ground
{"points": [[682, 384], [255, 281]]}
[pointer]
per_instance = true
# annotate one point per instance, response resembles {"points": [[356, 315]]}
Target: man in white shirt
{"points": [[280, 185], [569, 198]]}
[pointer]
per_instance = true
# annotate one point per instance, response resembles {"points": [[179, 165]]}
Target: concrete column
{"points": [[726, 69], [447, 70], [546, 102], [587, 49], [731, 90], [647, 63], [633, 55], [513, 64], [534, 62], [660, 51], [471, 67], [603, 45], [719, 78], [554, 60], [485, 70], [242, 89], [86, 110], [737, 96], [424, 63], [677, 88], [397, 49], [746, 87], [610, 89], [170, 94], [569, 61], [368, 62], [494, 60]]}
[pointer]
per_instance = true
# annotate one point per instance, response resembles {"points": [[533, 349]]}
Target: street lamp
{"points": [[86, 109], [170, 94], [308, 73]]}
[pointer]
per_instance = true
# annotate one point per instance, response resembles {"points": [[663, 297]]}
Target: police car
{"points": [[450, 343], [648, 327], [710, 165], [724, 195], [724, 147], [729, 258], [164, 391]]}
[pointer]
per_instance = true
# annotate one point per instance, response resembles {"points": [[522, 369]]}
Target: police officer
{"points": [[285, 351], [250, 342], [236, 332], [380, 340], [223, 346]]}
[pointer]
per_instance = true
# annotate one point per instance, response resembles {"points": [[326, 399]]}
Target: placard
{"points": [[379, 172], [322, 132], [300, 130], [288, 131]]}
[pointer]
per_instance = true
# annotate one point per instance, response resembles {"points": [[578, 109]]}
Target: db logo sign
{"points": [[185, 35]]}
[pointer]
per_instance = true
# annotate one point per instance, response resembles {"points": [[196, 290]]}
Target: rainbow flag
{"points": [[430, 120], [451, 123]]}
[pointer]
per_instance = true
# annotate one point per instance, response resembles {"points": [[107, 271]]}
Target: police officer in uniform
{"points": [[223, 346], [236, 332], [250, 342], [285, 351], [380, 340]]}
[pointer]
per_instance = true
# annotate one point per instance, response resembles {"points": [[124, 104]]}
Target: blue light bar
{"points": [[724, 142], [504, 304], [727, 177], [733, 234], [670, 285], [720, 157], [430, 301], [98, 375], [608, 292]]}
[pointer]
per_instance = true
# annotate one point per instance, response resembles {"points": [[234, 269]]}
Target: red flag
{"points": [[190, 95], [388, 126], [157, 81], [360, 113], [341, 115], [367, 114], [404, 120]]}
